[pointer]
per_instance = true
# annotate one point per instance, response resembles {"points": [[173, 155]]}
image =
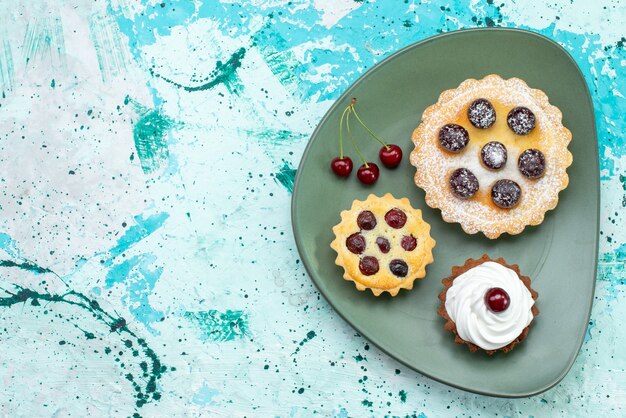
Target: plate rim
{"points": [[322, 121]]}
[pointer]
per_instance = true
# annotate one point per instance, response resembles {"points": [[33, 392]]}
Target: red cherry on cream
{"points": [[497, 300]]}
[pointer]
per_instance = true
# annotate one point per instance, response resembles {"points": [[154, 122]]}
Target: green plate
{"points": [[560, 255]]}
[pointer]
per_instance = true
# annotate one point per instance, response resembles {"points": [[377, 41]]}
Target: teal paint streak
{"points": [[287, 176], [219, 326], [7, 69], [150, 137], [143, 228], [275, 136], [107, 41], [44, 41], [224, 73], [27, 266], [309, 336], [145, 388], [150, 141], [140, 275]]}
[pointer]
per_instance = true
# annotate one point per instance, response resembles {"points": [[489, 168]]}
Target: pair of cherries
{"points": [[390, 155]]}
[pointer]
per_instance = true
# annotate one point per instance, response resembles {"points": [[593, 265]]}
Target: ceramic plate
{"points": [[559, 255]]}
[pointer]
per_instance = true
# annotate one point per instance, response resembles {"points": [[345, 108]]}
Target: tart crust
{"points": [[434, 165], [384, 280], [451, 326]]}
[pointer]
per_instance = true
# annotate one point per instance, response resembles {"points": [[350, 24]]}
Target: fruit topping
{"points": [[497, 300], [453, 137], [395, 218], [463, 183], [532, 163], [506, 193], [408, 242], [366, 220], [493, 155], [481, 113], [355, 243], [521, 120], [368, 265], [383, 245], [399, 267]]}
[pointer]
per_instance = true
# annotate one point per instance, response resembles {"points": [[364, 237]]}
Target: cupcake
{"points": [[488, 305], [383, 244]]}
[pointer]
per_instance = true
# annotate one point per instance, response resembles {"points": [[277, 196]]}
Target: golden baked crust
{"points": [[384, 280], [451, 326], [434, 165]]}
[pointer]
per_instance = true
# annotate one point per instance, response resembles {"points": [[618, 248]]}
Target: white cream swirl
{"points": [[465, 304]]}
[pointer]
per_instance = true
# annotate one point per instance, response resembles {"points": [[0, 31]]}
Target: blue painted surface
{"points": [[189, 247]]}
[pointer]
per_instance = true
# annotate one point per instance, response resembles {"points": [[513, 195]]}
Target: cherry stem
{"points": [[341, 133], [365, 126], [351, 137]]}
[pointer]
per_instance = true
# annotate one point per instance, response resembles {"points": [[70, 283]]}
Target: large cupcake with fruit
{"points": [[488, 305], [383, 244], [492, 155]]}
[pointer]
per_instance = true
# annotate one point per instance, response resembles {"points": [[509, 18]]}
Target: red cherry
{"points": [[341, 166], [368, 265], [383, 244], [497, 300], [355, 243], [408, 242], [395, 218], [368, 174], [390, 156]]}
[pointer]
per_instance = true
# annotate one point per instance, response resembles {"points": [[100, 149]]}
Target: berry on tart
{"points": [[481, 113], [453, 137], [463, 183], [493, 155], [521, 120], [532, 163], [383, 244], [506, 193]]}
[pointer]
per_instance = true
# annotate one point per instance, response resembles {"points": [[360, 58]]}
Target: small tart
{"points": [[531, 156], [383, 244], [451, 326]]}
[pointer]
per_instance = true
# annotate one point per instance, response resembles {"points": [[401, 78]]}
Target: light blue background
{"points": [[147, 157]]}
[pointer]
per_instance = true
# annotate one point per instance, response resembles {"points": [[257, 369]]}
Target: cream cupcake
{"points": [[488, 305]]}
